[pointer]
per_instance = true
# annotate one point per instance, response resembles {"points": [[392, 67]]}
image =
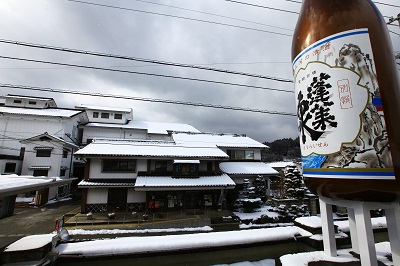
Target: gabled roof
{"points": [[145, 148], [151, 127], [247, 168], [48, 137], [215, 139], [49, 112]]}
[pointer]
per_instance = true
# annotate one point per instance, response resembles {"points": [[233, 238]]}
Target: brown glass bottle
{"points": [[320, 19]]}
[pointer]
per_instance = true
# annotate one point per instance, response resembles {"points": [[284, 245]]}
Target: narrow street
{"points": [[33, 220]]}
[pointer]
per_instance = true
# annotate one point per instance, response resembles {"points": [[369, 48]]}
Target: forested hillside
{"points": [[281, 149]]}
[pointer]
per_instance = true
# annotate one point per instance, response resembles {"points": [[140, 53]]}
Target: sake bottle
{"points": [[347, 94]]}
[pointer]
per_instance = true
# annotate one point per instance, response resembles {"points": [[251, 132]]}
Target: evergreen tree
{"points": [[293, 182], [260, 187]]}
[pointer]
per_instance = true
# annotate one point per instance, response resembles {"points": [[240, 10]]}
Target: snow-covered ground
{"points": [[315, 222], [302, 259]]}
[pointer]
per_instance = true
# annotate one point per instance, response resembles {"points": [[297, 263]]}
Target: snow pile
{"points": [[264, 210], [267, 262], [149, 244], [30, 242], [377, 223], [302, 259], [315, 222], [120, 231]]}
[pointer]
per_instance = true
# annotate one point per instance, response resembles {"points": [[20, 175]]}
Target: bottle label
{"points": [[340, 117]]}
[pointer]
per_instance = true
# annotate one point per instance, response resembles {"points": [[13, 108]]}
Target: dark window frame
{"points": [[63, 171], [43, 153], [95, 114], [40, 172], [241, 154], [105, 115], [118, 116], [160, 166], [10, 167], [65, 153], [118, 166]]}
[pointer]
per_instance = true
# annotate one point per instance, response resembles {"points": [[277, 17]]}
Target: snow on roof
{"points": [[155, 244], [220, 140], [104, 108], [106, 183], [249, 168], [186, 161], [148, 182], [14, 184], [280, 164], [12, 96], [102, 147], [54, 112], [151, 127]]}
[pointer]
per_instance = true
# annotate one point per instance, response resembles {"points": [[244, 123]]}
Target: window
{"points": [[249, 155], [209, 166], [40, 172], [186, 169], [161, 166], [10, 168], [114, 165], [17, 101], [241, 154], [62, 171], [105, 115], [117, 116], [95, 114], [32, 102], [43, 153], [65, 153]]}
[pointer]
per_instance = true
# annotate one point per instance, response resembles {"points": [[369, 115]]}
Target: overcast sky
{"points": [[218, 34]]}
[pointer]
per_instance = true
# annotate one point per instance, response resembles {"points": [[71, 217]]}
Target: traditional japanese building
{"points": [[161, 175]]}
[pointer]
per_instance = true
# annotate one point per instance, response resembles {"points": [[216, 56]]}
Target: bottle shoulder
{"points": [[316, 23]]}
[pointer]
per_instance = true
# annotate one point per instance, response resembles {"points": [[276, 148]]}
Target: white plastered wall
{"points": [[97, 195]]}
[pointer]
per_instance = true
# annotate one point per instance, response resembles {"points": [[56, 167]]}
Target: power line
{"points": [[211, 14], [372, 1], [266, 7], [385, 4], [83, 93], [142, 73], [41, 46], [180, 17]]}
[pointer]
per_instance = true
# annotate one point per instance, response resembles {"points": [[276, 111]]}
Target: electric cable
{"points": [[96, 94], [47, 47], [142, 73]]}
